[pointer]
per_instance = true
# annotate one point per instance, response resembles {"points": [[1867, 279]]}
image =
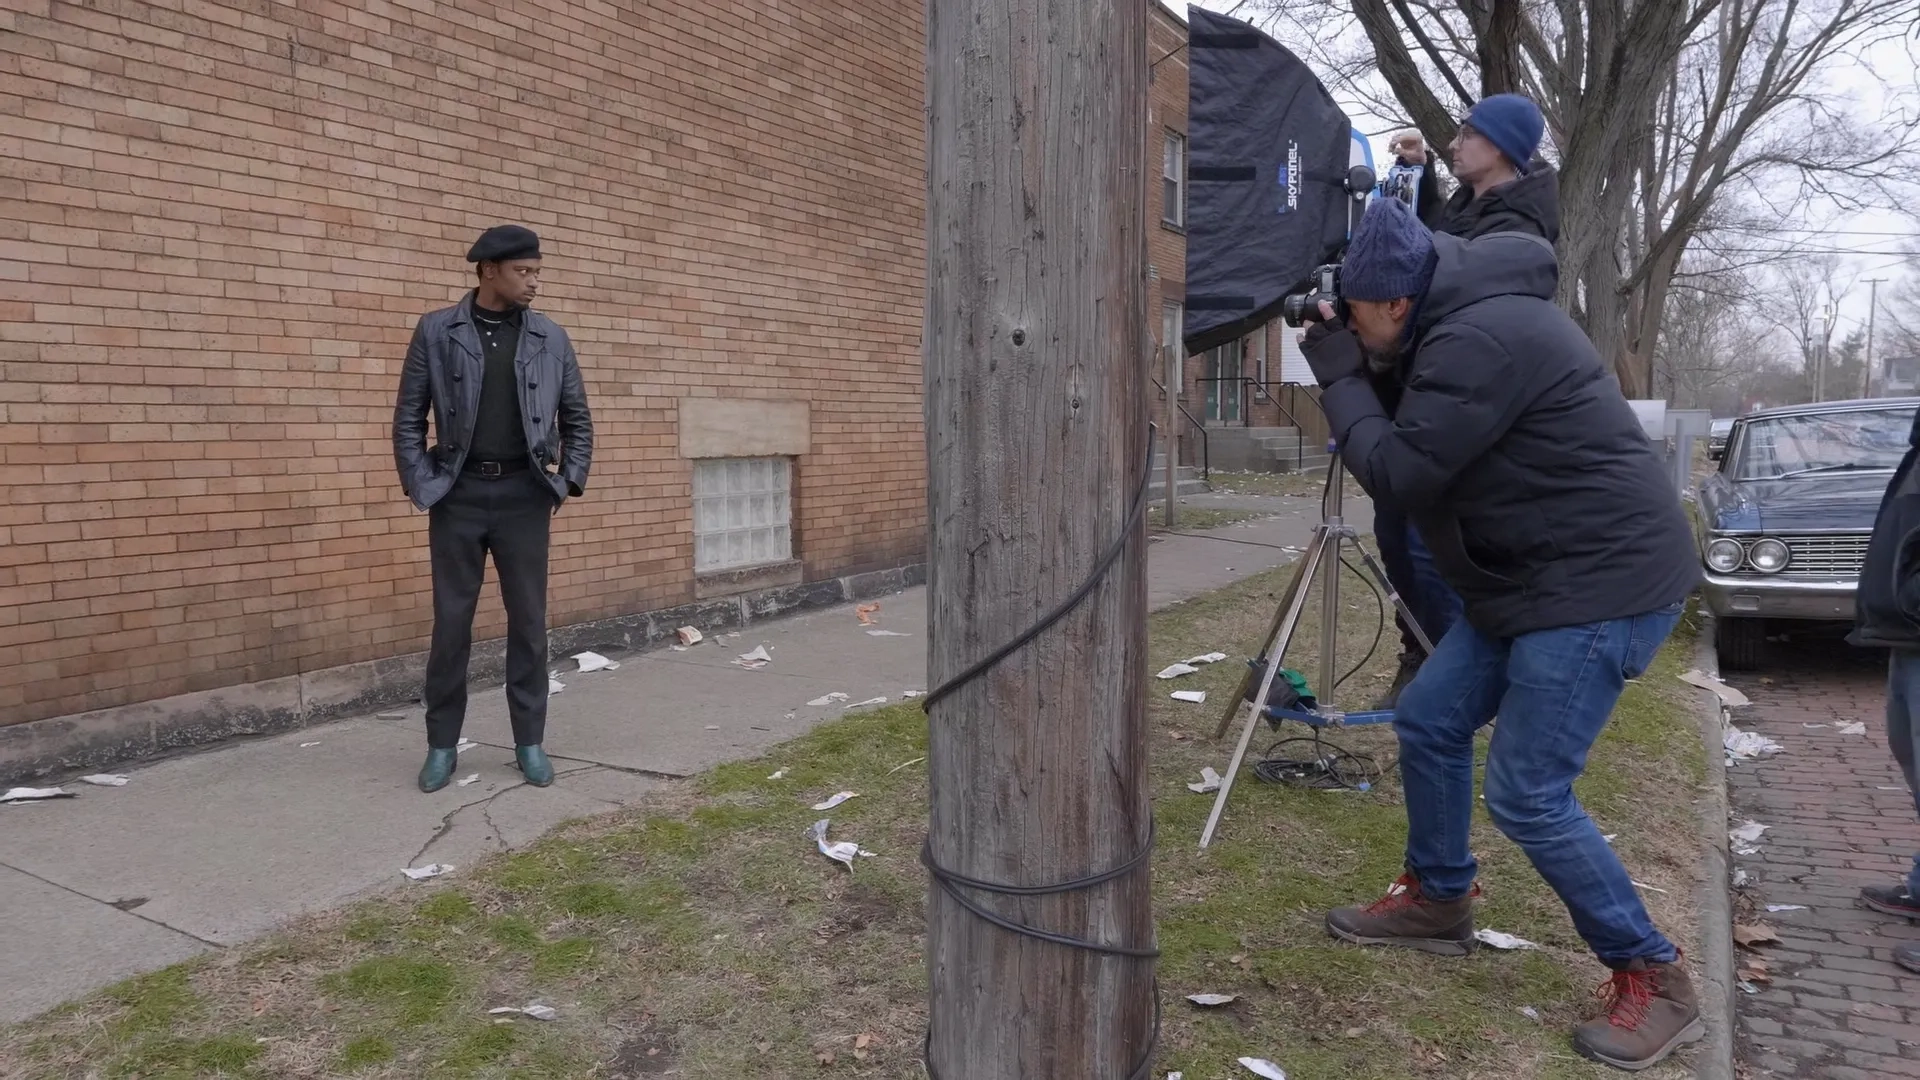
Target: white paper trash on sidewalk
{"points": [[469, 779], [822, 702], [106, 780], [1855, 728], [431, 870], [30, 794], [1263, 1067], [689, 636], [1209, 781], [836, 800], [1729, 696], [465, 744], [1174, 671], [593, 661], [1500, 940], [554, 685], [886, 633], [1206, 658], [1193, 697], [1748, 832], [1749, 744], [1775, 909]]}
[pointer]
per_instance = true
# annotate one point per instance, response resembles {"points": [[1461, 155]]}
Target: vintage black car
{"points": [[1784, 522]]}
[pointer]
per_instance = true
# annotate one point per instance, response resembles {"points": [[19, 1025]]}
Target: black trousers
{"points": [[510, 517]]}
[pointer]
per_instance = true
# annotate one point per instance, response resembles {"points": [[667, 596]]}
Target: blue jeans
{"points": [[1409, 566], [1434, 602], [1903, 698], [1553, 691]]}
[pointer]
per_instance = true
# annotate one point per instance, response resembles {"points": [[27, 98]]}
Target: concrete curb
{"points": [[148, 729], [1718, 989]]}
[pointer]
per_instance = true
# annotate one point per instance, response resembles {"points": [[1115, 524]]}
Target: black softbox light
{"points": [[1268, 158]]}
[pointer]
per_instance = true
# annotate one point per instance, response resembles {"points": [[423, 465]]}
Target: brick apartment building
{"points": [[219, 220], [1237, 394]]}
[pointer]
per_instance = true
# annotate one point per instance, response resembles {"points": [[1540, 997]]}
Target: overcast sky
{"points": [[1874, 239]]}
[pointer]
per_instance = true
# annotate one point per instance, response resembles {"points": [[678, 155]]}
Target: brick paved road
{"points": [[1838, 1008]]}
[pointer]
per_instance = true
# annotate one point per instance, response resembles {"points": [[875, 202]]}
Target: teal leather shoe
{"points": [[438, 770], [534, 765]]}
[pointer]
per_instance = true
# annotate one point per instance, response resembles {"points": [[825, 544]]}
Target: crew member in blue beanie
{"points": [[1547, 510]]}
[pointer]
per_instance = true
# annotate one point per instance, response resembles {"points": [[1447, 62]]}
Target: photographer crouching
{"points": [[1547, 510]]}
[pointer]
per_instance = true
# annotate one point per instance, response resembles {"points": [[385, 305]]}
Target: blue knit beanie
{"points": [[1512, 123], [1390, 255]]}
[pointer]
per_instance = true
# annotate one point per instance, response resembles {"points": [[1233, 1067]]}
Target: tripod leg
{"points": [[1399, 602], [1302, 575], [1310, 564]]}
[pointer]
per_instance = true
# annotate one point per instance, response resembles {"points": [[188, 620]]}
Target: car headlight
{"points": [[1769, 556], [1724, 556]]}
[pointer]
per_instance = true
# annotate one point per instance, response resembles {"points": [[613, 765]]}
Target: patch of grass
{"points": [[413, 990], [703, 933], [366, 1050]]}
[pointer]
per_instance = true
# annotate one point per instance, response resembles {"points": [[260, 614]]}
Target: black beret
{"points": [[503, 242]]}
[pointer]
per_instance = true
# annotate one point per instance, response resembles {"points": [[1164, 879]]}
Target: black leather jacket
{"points": [[442, 374]]}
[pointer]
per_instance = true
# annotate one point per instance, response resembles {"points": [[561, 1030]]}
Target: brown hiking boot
{"points": [[1409, 920], [1651, 1011]]}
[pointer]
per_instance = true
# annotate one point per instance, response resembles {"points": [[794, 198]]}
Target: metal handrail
{"points": [[1206, 448]]}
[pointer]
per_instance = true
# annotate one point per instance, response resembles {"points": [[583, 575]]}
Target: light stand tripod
{"points": [[1323, 554]]}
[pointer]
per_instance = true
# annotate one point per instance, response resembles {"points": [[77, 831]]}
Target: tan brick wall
{"points": [[219, 220]]}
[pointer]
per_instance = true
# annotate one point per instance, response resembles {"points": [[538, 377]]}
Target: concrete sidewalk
{"points": [[206, 851]]}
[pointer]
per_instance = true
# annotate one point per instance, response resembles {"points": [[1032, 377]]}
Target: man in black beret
{"points": [[513, 441]]}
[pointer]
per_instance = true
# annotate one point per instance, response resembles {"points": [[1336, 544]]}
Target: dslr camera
{"points": [[1323, 284]]}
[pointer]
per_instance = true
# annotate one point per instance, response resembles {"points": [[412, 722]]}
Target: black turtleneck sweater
{"points": [[498, 434]]}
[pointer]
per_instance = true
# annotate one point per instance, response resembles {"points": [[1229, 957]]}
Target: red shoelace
{"points": [[1629, 994], [1403, 893]]}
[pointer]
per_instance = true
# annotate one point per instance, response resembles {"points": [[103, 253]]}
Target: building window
{"points": [[1173, 180], [742, 512]]}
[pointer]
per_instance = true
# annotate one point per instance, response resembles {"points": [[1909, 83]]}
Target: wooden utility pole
{"points": [[1037, 451]]}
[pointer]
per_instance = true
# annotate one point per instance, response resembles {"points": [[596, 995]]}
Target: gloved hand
{"points": [[1332, 350]]}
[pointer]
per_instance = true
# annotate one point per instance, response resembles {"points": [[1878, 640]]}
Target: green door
{"points": [[1223, 382]]}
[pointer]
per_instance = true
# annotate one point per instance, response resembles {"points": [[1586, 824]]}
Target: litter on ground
{"points": [[305, 745], [1729, 696], [29, 794], [870, 701], [866, 613], [1207, 658], [1500, 940], [1263, 1067], [469, 780], [465, 744], [537, 1012], [1743, 745], [905, 764], [1775, 909], [1210, 1000], [1649, 888], [1530, 1013], [911, 694], [1209, 781], [105, 780], [593, 661], [755, 660], [1855, 728], [777, 774], [689, 636], [1747, 832], [431, 870], [839, 851], [835, 800], [1196, 697], [886, 633], [822, 702], [1752, 934], [554, 685], [1174, 671]]}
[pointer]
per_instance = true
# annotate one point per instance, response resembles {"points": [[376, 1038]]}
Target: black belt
{"points": [[494, 469]]}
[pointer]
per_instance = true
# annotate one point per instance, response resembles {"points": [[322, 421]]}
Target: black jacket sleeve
{"points": [[410, 414], [1464, 392], [1428, 205], [576, 424]]}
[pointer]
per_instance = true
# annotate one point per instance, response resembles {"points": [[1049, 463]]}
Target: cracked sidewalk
{"points": [[208, 850]]}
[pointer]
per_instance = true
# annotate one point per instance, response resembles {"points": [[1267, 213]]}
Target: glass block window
{"points": [[742, 512]]}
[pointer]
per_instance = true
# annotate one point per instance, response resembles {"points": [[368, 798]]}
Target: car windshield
{"points": [[1815, 443]]}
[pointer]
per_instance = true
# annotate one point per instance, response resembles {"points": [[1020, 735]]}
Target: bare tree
{"points": [[1803, 300], [1713, 344], [1658, 110]]}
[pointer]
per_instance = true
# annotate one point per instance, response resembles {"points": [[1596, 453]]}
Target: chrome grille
{"points": [[1824, 555]]}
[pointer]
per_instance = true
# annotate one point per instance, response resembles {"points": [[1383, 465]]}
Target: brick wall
{"points": [[1166, 246], [219, 220]]}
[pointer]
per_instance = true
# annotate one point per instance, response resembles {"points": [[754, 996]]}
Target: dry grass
{"points": [[702, 936]]}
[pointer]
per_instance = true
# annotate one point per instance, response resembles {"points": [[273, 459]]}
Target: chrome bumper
{"points": [[1778, 598]]}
